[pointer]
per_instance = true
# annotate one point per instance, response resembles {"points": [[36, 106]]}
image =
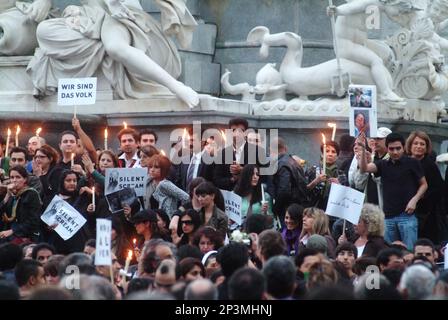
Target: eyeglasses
{"points": [[187, 222]]}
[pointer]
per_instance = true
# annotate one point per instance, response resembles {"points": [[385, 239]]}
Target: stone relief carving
{"points": [[408, 67]]}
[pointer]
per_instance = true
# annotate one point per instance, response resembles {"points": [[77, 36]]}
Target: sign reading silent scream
{"points": [[76, 91]]}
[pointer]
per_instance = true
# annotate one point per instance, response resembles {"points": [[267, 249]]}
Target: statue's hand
{"points": [[38, 10], [332, 11]]}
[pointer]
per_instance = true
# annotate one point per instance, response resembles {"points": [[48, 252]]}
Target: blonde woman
{"points": [[370, 231], [315, 221]]}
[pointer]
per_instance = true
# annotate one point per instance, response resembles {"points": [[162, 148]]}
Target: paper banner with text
{"points": [[233, 206], [120, 178], [103, 254], [345, 203], [61, 213], [76, 91]]}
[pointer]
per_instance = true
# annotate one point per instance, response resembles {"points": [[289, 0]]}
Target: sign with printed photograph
{"points": [[363, 110], [121, 178], [121, 198], [65, 219]]}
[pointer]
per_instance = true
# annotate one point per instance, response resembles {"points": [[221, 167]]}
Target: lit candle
{"points": [[38, 131], [332, 125], [263, 199], [126, 266], [17, 135], [184, 138], [223, 137], [105, 139], [7, 142], [162, 152], [93, 197], [73, 159], [324, 156], [125, 125], [134, 243]]}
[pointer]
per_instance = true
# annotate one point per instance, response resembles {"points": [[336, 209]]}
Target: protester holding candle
{"points": [[320, 182], [249, 188]]}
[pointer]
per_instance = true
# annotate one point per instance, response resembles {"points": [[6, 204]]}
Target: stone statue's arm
{"points": [[38, 10], [351, 8]]}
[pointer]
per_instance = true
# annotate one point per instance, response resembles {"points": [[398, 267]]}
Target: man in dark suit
{"points": [[197, 165], [233, 158]]}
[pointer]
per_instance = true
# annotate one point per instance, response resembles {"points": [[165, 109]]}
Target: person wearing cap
{"points": [[370, 184], [404, 184], [145, 223]]}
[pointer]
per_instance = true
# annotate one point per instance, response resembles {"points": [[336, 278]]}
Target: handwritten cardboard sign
{"points": [[345, 203], [103, 254]]}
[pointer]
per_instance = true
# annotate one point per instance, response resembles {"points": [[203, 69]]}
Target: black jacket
{"points": [[27, 222], [222, 176]]}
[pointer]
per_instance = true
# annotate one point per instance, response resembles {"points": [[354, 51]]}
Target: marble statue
{"points": [[314, 80], [132, 49], [18, 22], [244, 89]]}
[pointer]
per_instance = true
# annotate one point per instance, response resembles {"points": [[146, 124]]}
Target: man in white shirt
{"points": [[128, 144]]}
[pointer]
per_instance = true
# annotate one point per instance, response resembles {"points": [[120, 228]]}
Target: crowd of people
{"points": [[185, 246]]}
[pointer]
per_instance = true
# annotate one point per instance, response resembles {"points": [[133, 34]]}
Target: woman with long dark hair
{"points": [[210, 214], [189, 223], [249, 189], [20, 209], [293, 228], [68, 191]]}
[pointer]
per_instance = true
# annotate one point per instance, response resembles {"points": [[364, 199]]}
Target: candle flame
{"points": [[93, 189], [331, 124], [73, 156], [129, 254], [9, 132], [105, 133], [125, 125], [134, 241], [38, 131], [223, 136], [162, 153], [18, 130], [323, 138]]}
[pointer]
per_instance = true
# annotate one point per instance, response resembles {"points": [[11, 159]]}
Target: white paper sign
{"points": [[103, 254], [363, 110], [62, 214], [76, 91], [233, 206], [120, 178], [345, 203], [445, 253]]}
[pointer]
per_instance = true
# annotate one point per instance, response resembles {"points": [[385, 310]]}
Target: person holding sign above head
{"points": [[404, 184], [20, 209], [250, 190], [69, 192]]}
